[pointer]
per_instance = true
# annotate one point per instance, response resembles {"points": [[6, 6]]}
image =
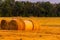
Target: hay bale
{"points": [[13, 25], [21, 24], [4, 25], [28, 25]]}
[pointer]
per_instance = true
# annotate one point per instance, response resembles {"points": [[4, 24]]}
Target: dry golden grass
{"points": [[27, 35], [44, 29]]}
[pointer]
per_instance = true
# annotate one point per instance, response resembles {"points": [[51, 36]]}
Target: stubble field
{"points": [[44, 29], [27, 35]]}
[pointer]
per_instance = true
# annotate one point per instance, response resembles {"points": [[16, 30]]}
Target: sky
{"points": [[52, 1]]}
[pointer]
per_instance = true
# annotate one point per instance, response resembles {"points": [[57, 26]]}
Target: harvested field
{"points": [[31, 29], [27, 35]]}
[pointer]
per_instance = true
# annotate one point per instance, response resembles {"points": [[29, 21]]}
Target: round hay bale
{"points": [[13, 25], [21, 25], [4, 25], [28, 25]]}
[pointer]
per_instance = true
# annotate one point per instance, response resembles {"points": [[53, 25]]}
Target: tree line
{"points": [[28, 9]]}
